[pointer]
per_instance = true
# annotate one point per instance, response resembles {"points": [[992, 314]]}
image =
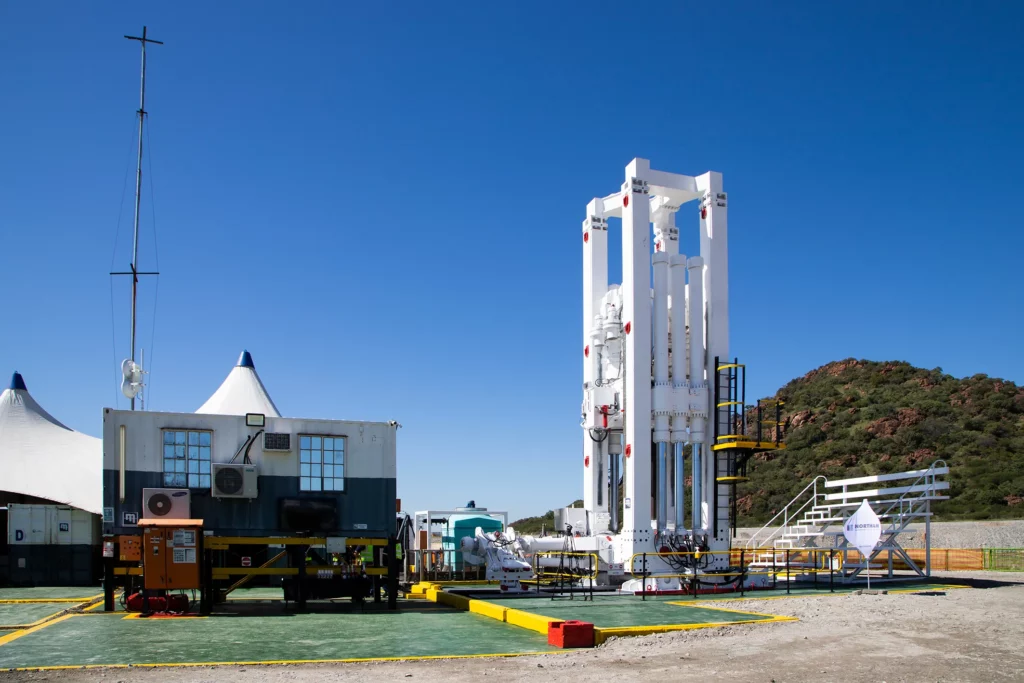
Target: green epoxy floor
{"points": [[617, 611], [261, 593], [45, 592], [414, 631], [27, 613]]}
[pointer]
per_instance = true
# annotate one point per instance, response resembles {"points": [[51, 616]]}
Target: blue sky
{"points": [[382, 202]]}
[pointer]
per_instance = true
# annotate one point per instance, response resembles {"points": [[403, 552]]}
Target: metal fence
{"points": [[1003, 559], [942, 559]]}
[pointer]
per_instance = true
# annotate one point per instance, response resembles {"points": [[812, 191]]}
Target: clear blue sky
{"points": [[382, 202]]}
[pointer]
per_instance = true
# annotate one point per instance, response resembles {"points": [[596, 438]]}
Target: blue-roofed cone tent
{"points": [[42, 458], [242, 392]]}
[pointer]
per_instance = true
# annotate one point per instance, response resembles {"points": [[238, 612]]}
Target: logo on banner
{"points": [[863, 529]]}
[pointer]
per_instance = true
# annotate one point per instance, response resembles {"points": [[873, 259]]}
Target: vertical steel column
{"points": [[636, 291], [392, 573], [595, 286]]}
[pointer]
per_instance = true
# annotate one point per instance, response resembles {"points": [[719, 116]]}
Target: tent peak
{"points": [[245, 360], [18, 382]]}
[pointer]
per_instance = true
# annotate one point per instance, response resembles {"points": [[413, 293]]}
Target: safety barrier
{"points": [[1003, 559], [434, 566], [581, 565], [942, 559]]}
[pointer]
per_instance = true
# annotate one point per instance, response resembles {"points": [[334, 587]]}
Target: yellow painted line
{"points": [[529, 620], [515, 617], [602, 634], [826, 594], [731, 611], [31, 601], [35, 623], [138, 615], [222, 542], [281, 662], [24, 632], [482, 582]]}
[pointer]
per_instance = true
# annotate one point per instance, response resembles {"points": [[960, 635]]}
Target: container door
{"points": [[60, 532], [34, 529], [80, 528], [154, 563]]}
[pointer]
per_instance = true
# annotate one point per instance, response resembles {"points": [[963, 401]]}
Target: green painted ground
{"points": [[45, 592], [263, 593], [616, 611], [415, 631], [19, 614]]}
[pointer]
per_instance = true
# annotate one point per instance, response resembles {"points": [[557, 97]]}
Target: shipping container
{"points": [[51, 525], [51, 545]]}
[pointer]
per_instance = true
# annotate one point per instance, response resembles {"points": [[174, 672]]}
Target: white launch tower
{"points": [[654, 383], [652, 379]]}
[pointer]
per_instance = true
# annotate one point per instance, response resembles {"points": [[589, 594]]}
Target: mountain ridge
{"points": [[857, 417]]}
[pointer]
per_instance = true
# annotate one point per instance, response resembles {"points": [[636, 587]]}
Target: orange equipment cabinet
{"points": [[172, 553], [131, 548]]}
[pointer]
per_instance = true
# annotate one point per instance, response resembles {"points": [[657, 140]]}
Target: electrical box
{"points": [[130, 548], [171, 554]]}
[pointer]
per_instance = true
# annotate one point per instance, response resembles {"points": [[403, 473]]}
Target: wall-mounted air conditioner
{"points": [[168, 503], [234, 481]]}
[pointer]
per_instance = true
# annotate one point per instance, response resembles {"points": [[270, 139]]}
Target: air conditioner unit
{"points": [[277, 441], [168, 503], [234, 481]]}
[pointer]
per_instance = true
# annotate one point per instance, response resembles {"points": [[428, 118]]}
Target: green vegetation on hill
{"points": [[854, 417], [532, 526]]}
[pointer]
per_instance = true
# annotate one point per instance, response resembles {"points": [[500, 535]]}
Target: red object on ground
{"points": [[571, 634], [172, 604]]}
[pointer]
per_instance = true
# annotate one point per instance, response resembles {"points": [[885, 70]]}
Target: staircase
{"points": [[815, 519]]}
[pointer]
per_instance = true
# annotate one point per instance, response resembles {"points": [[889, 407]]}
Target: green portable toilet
{"points": [[462, 524]]}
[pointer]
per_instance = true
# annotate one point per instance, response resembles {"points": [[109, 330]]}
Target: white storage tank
{"points": [[52, 545]]}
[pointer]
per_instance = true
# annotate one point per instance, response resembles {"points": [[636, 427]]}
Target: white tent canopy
{"points": [[242, 392], [43, 458]]}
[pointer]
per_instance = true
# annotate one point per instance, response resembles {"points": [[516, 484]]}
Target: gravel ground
{"points": [[956, 635], [1001, 534]]}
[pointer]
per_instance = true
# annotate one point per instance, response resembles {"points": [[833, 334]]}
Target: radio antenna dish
{"points": [[132, 382]]}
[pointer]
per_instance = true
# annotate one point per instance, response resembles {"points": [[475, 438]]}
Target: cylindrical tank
{"points": [[462, 525]]}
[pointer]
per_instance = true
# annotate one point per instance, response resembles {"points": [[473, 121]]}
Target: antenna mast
{"points": [[138, 194]]}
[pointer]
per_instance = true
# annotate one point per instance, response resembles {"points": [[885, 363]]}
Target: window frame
{"points": [[321, 464], [185, 457]]}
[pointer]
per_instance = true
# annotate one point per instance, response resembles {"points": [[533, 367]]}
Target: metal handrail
{"points": [[785, 513], [892, 529], [930, 472], [596, 569]]}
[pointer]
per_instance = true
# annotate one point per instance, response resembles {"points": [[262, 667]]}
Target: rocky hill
{"points": [[855, 417]]}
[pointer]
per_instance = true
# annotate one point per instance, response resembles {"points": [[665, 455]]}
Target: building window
{"points": [[321, 463], [187, 459]]}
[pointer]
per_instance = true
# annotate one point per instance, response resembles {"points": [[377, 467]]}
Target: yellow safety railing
{"points": [[593, 567]]}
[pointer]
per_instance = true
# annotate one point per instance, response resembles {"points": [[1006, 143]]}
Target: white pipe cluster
{"points": [[662, 387], [696, 324], [679, 352]]}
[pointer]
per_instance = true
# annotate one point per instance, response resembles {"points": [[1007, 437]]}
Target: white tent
{"points": [[41, 457], [242, 392]]}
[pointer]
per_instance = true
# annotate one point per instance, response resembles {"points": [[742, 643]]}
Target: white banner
{"points": [[863, 529]]}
